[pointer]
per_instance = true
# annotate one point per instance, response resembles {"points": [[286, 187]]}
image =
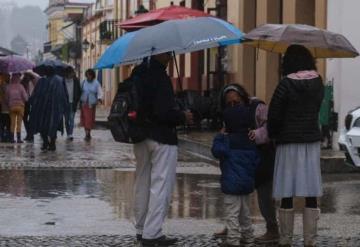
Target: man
{"points": [[156, 156], [74, 93]]}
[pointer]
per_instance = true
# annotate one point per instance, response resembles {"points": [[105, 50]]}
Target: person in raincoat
{"points": [[49, 105]]}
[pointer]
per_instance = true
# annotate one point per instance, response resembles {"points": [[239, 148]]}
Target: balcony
{"points": [[108, 31], [47, 47]]}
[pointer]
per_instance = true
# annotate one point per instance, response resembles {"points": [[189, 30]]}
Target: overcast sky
{"points": [[41, 3]]}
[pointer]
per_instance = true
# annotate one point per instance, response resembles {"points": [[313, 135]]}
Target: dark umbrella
{"points": [[57, 66], [15, 64]]}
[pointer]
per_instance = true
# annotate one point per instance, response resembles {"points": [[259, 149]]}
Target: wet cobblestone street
{"points": [[81, 195], [129, 241]]}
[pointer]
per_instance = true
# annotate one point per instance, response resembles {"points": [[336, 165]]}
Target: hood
{"points": [[305, 80], [304, 75]]}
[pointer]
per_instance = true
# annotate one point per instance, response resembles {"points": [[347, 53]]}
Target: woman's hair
{"points": [[91, 72], [244, 95], [297, 58]]}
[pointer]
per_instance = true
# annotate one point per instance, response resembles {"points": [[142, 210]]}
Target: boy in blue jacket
{"points": [[238, 162]]}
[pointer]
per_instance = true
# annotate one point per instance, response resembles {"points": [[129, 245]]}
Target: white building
{"points": [[343, 17]]}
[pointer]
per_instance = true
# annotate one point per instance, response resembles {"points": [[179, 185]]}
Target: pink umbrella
{"points": [[15, 64]]}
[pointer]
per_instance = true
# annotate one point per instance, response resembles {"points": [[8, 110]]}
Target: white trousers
{"points": [[237, 218], [154, 182]]}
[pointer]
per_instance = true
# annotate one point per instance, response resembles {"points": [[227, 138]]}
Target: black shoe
{"points": [[12, 138], [31, 140], [45, 146], [87, 138], [52, 146], [162, 241], [18, 137]]}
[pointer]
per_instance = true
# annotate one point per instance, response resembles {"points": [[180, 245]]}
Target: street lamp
{"points": [[85, 45]]}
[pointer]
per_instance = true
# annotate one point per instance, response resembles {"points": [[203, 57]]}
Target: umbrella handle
{"points": [[177, 71]]}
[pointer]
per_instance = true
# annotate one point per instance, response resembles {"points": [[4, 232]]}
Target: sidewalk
{"points": [[200, 143]]}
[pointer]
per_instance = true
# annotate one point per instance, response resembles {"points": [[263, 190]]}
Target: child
{"points": [[238, 161]]}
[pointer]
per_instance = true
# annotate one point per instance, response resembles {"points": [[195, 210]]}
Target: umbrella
{"points": [[160, 15], [178, 36], [15, 64], [57, 65], [321, 43]]}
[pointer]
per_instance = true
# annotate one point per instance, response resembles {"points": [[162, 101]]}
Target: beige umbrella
{"points": [[322, 43]]}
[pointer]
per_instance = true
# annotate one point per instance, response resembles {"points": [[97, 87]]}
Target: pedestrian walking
{"points": [[74, 92], [4, 116], [236, 149], [91, 95], [293, 122], [156, 156], [16, 98], [49, 106], [264, 172], [28, 81]]}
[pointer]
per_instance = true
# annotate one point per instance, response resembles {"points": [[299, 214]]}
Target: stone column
{"points": [[242, 14], [267, 64]]}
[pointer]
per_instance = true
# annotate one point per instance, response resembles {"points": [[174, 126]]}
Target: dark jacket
{"points": [[49, 105], [294, 111], [77, 93], [159, 103], [238, 166]]}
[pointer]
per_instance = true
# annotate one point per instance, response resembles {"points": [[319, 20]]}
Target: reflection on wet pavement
{"points": [[195, 195]]}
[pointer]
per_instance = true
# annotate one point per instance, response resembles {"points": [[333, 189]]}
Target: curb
{"points": [[329, 164]]}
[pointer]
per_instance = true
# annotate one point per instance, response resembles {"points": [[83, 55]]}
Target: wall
{"points": [[343, 17]]}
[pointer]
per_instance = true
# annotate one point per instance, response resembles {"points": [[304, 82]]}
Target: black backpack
{"points": [[126, 120]]}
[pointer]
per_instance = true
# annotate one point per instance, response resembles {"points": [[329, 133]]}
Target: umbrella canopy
{"points": [[160, 15], [179, 36], [321, 43], [57, 65], [15, 64]]}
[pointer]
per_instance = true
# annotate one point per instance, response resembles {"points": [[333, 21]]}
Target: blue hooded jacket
{"points": [[237, 166], [237, 153]]}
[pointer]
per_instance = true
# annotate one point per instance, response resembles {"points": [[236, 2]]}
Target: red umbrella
{"points": [[159, 15]]}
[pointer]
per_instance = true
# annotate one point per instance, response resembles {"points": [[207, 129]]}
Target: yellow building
{"points": [[64, 43]]}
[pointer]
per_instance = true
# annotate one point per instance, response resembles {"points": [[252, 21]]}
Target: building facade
{"points": [[203, 71], [64, 41], [344, 73]]}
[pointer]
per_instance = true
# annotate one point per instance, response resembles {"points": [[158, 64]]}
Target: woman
{"points": [[16, 97], [293, 124], [91, 95]]}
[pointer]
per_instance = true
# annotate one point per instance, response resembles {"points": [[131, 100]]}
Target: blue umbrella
{"points": [[178, 36]]}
